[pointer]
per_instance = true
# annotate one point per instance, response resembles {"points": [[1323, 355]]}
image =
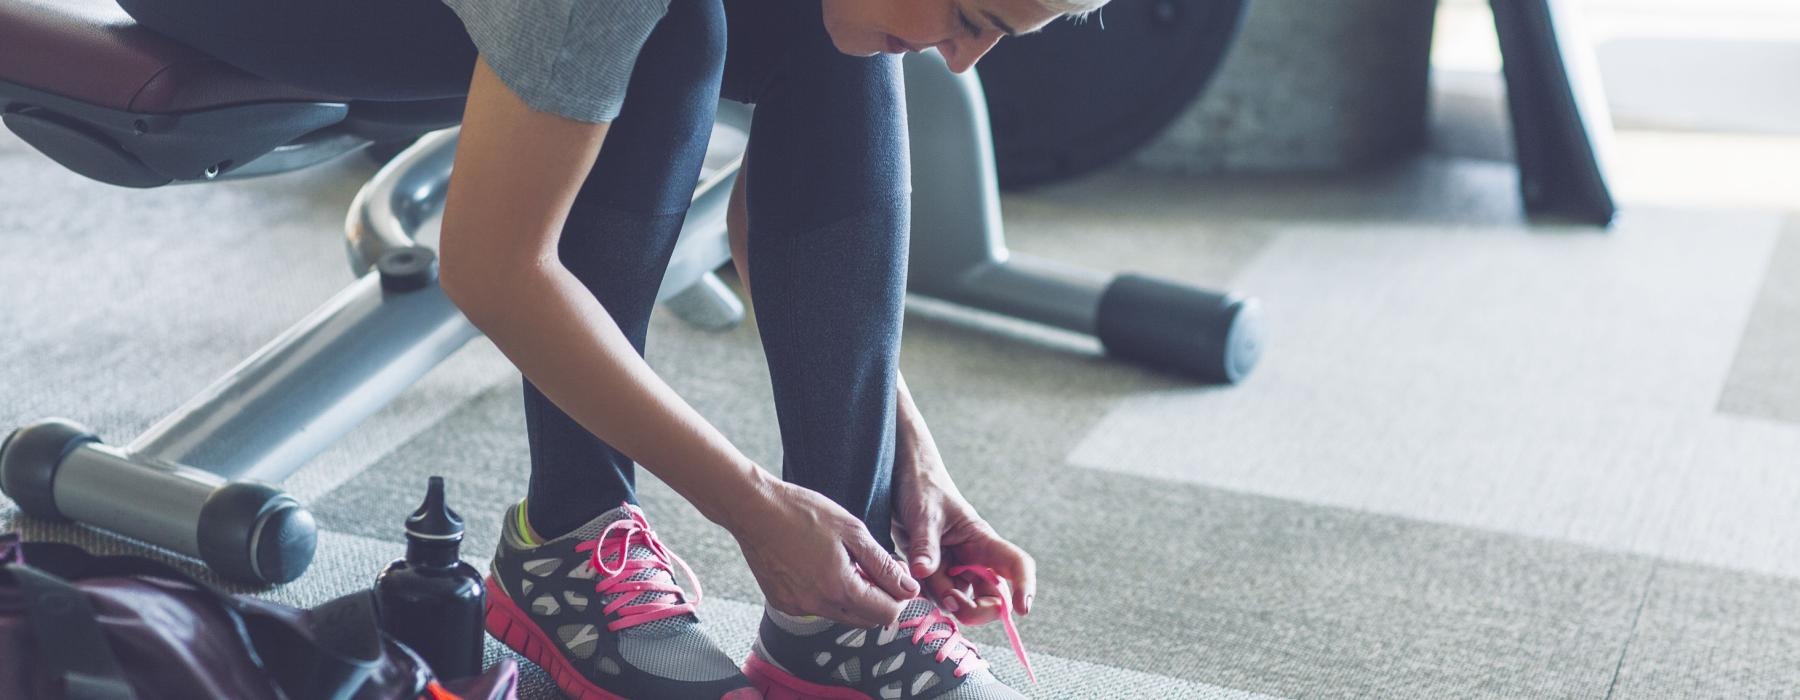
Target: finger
{"points": [[987, 589], [1020, 570], [983, 610], [939, 586], [962, 589], [922, 544], [880, 567], [864, 605], [963, 603], [965, 592]]}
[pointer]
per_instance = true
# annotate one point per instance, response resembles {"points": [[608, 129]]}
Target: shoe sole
{"points": [[777, 684], [518, 632], [515, 629]]}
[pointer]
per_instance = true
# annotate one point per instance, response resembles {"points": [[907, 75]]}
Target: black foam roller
{"points": [[254, 533], [28, 461], [1209, 336]]}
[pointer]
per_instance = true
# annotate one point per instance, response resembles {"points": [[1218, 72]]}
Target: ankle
{"points": [[539, 527]]}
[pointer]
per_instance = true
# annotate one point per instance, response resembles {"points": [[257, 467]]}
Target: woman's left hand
{"points": [[938, 530]]}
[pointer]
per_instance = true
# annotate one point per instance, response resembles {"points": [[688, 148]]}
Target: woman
{"points": [[584, 130]]}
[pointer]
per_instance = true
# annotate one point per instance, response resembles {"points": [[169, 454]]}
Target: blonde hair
{"points": [[1073, 8]]}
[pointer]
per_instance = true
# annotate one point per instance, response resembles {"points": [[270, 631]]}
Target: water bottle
{"points": [[431, 600]]}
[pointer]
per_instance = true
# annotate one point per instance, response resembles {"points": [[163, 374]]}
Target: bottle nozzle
{"points": [[434, 520]]}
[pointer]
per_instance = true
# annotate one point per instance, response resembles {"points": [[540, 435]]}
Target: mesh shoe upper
{"points": [[606, 595], [896, 662]]}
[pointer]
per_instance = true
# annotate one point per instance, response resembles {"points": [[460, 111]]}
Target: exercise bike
{"points": [[89, 88]]}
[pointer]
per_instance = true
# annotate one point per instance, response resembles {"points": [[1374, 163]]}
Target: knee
{"points": [[688, 45]]}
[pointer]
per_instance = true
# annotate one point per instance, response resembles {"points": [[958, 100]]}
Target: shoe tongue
{"points": [[593, 529], [915, 609], [920, 607], [659, 575]]}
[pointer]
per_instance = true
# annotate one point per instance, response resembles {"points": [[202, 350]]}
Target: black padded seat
{"points": [[85, 84], [90, 50]]}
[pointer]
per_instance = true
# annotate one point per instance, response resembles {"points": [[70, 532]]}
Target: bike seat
{"points": [[84, 83], [90, 50]]}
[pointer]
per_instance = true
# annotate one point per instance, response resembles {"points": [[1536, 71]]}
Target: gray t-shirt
{"points": [[567, 57]]}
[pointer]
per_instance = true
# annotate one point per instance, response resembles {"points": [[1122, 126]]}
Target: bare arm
{"points": [[517, 172]]}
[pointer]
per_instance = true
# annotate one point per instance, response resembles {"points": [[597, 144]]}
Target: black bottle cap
{"points": [[434, 520]]}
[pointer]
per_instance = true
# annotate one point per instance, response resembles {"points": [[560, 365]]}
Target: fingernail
{"points": [[1028, 597], [950, 604]]}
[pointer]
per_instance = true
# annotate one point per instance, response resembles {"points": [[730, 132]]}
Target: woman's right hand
{"points": [[812, 557]]}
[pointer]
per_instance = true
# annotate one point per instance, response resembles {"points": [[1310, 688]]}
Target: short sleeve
{"points": [[567, 57]]}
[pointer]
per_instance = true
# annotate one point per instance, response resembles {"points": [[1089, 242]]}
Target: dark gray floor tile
{"points": [[1169, 579], [1708, 633]]}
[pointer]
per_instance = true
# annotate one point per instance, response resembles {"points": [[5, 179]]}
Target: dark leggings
{"points": [[828, 206]]}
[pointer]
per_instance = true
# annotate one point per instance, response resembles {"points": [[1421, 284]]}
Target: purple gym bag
{"points": [[75, 626]]}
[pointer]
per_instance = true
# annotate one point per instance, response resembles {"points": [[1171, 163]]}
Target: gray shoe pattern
{"points": [[880, 662], [555, 584]]}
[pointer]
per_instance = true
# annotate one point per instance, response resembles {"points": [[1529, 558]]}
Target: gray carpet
{"points": [[1483, 458]]}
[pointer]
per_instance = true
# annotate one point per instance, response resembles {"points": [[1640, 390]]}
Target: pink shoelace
{"points": [[615, 543], [956, 647]]}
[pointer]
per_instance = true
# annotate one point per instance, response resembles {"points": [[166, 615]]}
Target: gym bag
{"points": [[75, 626]]}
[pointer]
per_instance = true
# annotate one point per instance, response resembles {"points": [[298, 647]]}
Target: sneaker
{"points": [[923, 655], [599, 610]]}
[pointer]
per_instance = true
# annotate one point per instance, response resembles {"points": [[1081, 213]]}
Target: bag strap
{"points": [[307, 664], [70, 643], [74, 563], [12, 550]]}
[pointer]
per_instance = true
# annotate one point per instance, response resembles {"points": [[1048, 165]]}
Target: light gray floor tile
{"points": [[1765, 379], [1558, 385], [1674, 83]]}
